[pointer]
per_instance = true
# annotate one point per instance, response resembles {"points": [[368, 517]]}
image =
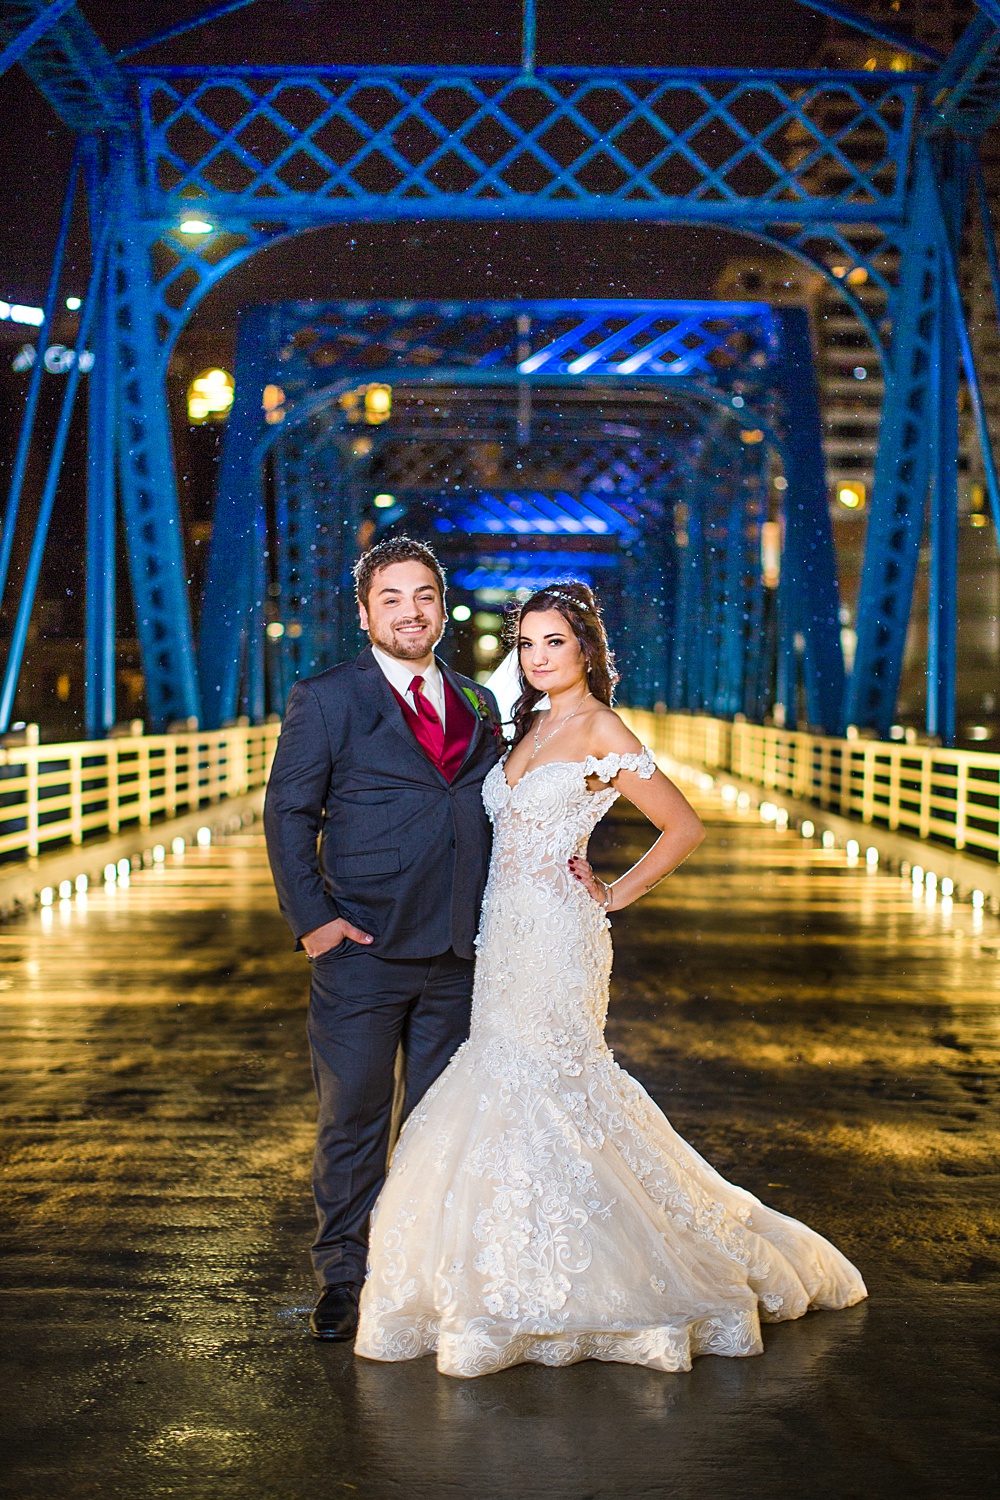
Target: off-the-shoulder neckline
{"points": [[597, 759]]}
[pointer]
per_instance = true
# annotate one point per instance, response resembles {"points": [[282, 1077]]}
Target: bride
{"points": [[539, 1206]]}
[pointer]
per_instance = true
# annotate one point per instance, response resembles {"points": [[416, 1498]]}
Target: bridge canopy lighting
{"points": [[383, 502], [74, 304], [196, 226], [210, 396], [461, 612]]}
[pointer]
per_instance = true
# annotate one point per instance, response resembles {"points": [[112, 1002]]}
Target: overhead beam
{"points": [[215, 14], [880, 30], [69, 64], [965, 97], [36, 29]]}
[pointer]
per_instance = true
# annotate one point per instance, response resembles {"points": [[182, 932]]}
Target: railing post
{"points": [[31, 787], [868, 784], [112, 784], [145, 790], [926, 762], [170, 776], [76, 794]]}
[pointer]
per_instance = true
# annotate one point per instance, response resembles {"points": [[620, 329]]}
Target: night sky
{"points": [[413, 259]]}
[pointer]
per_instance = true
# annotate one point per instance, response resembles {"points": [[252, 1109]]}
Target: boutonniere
{"points": [[482, 710]]}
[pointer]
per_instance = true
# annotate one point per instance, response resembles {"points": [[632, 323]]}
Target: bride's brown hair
{"points": [[578, 607]]}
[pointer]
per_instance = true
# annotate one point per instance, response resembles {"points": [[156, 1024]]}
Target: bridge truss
{"points": [[648, 430], [869, 170]]}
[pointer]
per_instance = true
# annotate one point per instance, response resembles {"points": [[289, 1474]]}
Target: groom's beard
{"points": [[406, 647]]}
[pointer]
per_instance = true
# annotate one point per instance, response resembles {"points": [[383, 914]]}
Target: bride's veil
{"points": [[505, 685]]}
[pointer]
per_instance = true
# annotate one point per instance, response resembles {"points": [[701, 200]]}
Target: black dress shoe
{"points": [[335, 1316]]}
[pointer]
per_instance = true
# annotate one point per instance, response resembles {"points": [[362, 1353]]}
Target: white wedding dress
{"points": [[539, 1205]]}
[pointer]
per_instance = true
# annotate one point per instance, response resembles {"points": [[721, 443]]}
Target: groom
{"points": [[379, 845]]}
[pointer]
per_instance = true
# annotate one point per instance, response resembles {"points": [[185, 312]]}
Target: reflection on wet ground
{"points": [[828, 1040]]}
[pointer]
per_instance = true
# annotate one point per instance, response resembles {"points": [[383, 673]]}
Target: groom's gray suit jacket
{"points": [[403, 853]]}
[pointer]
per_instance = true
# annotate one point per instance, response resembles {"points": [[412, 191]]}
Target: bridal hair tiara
{"points": [[567, 598]]}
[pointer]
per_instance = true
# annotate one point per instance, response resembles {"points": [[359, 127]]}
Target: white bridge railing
{"points": [[951, 797], [51, 794]]}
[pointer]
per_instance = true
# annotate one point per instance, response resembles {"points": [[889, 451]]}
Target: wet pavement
{"points": [[826, 1038]]}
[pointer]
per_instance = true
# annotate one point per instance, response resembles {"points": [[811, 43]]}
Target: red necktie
{"points": [[432, 735]]}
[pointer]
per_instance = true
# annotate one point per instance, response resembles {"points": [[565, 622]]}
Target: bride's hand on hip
{"points": [[596, 888]]}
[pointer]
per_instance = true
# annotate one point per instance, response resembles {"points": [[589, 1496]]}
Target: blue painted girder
{"points": [[905, 459]]}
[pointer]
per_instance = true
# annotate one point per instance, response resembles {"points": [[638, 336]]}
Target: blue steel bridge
{"points": [[813, 996], [659, 438]]}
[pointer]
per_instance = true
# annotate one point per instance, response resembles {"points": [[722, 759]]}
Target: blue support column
{"points": [[232, 563], [732, 653], [902, 469], [943, 589], [786, 689], [101, 583], [953, 166], [146, 466], [100, 675], [256, 675], [686, 669], [809, 567]]}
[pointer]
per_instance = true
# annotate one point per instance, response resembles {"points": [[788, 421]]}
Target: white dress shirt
{"points": [[400, 674]]}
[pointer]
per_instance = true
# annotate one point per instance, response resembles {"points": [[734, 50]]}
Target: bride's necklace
{"points": [[539, 742]]}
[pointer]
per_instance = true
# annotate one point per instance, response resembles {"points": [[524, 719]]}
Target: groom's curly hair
{"points": [[579, 608], [395, 549]]}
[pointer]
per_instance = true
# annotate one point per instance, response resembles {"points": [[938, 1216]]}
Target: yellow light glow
{"points": [[858, 276], [210, 396], [770, 554], [852, 494], [839, 271], [752, 435], [488, 643], [378, 403], [383, 502], [196, 226], [275, 630], [273, 402]]}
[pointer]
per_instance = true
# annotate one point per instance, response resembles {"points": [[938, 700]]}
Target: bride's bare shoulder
{"points": [[610, 735]]}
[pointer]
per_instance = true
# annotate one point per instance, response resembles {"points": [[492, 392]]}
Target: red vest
{"points": [[459, 723]]}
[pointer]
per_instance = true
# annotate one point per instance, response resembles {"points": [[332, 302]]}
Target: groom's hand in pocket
{"points": [[330, 935]]}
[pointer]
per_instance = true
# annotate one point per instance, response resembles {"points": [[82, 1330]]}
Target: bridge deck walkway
{"points": [[824, 1037]]}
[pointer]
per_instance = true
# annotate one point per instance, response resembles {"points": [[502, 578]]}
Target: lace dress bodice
{"points": [[538, 923], [539, 1206]]}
